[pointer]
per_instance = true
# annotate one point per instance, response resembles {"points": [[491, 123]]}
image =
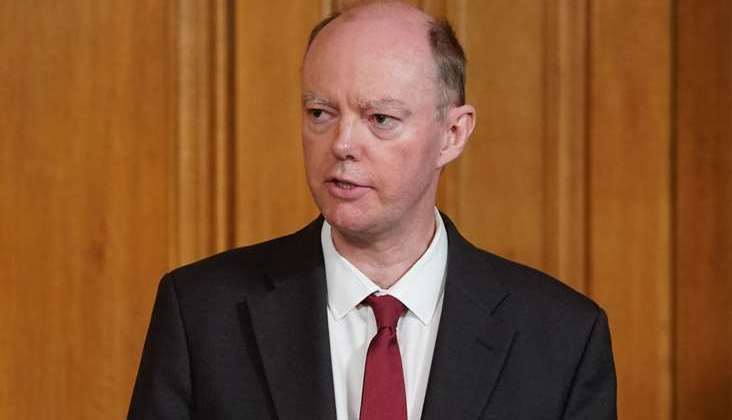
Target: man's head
{"points": [[446, 50], [383, 112]]}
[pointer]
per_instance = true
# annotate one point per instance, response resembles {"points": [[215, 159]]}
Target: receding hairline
{"points": [[447, 53], [355, 10]]}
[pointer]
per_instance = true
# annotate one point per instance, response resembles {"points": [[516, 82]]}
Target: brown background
{"points": [[139, 135]]}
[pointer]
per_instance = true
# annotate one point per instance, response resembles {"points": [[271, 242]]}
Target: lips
{"points": [[345, 184], [346, 189]]}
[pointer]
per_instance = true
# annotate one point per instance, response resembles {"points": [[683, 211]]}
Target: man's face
{"points": [[370, 133]]}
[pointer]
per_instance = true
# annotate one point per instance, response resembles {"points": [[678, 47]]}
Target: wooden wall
{"points": [[630, 195], [139, 135], [87, 147], [702, 200]]}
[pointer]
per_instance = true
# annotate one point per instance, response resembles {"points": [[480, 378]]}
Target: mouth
{"points": [[346, 189], [345, 184]]}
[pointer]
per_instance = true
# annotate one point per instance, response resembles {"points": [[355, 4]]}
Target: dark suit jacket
{"points": [[244, 335]]}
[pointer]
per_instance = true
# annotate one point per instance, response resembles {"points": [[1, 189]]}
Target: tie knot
{"points": [[387, 310]]}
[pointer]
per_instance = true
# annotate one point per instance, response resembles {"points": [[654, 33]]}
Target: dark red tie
{"points": [[383, 396]]}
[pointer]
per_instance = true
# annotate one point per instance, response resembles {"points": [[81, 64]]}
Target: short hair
{"points": [[450, 60], [446, 50]]}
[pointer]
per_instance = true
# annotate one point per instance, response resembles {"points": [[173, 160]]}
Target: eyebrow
{"points": [[313, 98], [388, 102], [383, 102]]}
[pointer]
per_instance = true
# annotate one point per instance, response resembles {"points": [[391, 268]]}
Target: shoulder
{"points": [[546, 312], [247, 269], [531, 290], [527, 296]]}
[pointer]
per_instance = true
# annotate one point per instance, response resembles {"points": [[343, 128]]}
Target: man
{"points": [[379, 309]]}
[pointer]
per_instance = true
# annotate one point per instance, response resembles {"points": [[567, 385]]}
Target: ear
{"points": [[460, 122]]}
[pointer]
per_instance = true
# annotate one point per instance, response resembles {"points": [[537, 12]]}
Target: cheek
{"points": [[422, 152], [313, 152], [411, 166]]}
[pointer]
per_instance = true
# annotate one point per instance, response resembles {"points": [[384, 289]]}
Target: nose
{"points": [[346, 145]]}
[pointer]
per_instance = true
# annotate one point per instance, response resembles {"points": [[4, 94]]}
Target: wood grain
{"points": [[630, 196], [272, 197], [703, 242], [519, 190], [85, 137], [202, 182], [495, 190], [565, 141]]}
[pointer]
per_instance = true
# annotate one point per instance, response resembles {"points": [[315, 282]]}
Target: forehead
{"points": [[372, 55]]}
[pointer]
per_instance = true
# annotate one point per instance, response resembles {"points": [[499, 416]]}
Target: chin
{"points": [[348, 219]]}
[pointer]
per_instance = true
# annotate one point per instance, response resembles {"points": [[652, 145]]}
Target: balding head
{"points": [[447, 53], [371, 9]]}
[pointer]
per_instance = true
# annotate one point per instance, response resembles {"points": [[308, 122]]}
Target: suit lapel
{"points": [[290, 326], [289, 323], [472, 345]]}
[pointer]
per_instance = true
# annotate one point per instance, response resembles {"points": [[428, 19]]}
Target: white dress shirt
{"points": [[352, 325]]}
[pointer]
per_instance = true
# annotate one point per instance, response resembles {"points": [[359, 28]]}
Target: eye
{"points": [[318, 115], [383, 121]]}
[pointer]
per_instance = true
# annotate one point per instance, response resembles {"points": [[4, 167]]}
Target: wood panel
{"points": [[495, 190], [86, 133], [565, 141], [272, 197], [204, 152], [703, 210], [519, 190], [630, 195]]}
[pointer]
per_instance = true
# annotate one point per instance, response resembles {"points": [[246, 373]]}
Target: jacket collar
{"points": [[290, 326], [291, 329], [472, 345]]}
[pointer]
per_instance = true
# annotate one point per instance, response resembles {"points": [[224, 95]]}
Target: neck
{"points": [[386, 257]]}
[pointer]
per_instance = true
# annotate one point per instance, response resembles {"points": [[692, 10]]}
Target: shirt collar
{"points": [[419, 289]]}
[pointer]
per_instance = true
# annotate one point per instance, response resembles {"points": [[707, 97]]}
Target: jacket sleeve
{"points": [[163, 386], [593, 391]]}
